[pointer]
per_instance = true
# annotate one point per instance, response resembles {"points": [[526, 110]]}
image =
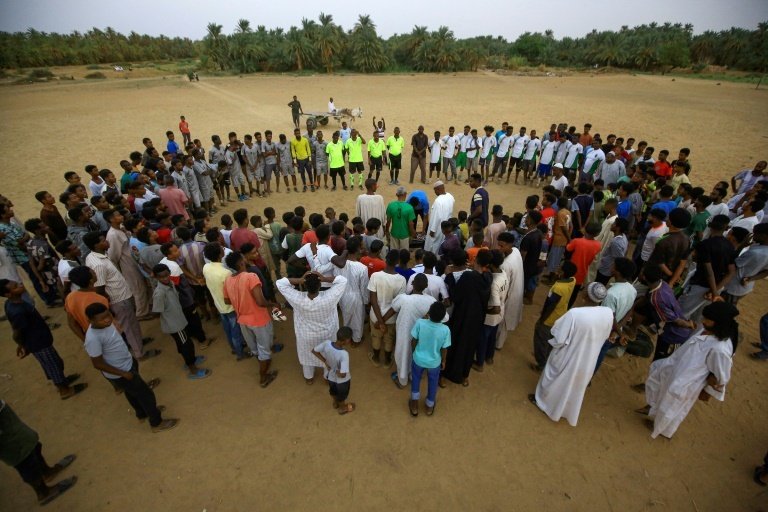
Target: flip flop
{"points": [[207, 343], [200, 374], [77, 389], [271, 376], [150, 354], [278, 316], [153, 383], [58, 489], [60, 466], [350, 407], [277, 348]]}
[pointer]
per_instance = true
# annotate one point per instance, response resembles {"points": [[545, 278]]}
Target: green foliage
{"points": [[325, 46], [97, 75], [38, 74], [36, 49], [516, 62]]}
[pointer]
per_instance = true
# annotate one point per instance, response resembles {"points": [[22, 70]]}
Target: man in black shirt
{"points": [[530, 250], [715, 266], [295, 111]]}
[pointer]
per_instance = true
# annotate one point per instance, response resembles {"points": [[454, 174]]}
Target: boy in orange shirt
{"points": [[478, 239], [583, 252]]}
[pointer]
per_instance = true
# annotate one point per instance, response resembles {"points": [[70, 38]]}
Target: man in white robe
{"points": [[513, 304], [355, 298], [371, 206], [315, 319], [408, 308], [442, 209], [578, 336], [675, 383]]}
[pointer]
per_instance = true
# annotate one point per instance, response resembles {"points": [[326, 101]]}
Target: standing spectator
{"points": [[400, 216], [314, 314], [419, 142], [432, 340], [21, 449], [296, 112], [165, 301], [33, 336], [336, 372], [109, 354], [111, 284], [184, 129]]}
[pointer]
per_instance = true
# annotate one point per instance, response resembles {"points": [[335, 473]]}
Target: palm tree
{"points": [[298, 47], [216, 45], [243, 26], [329, 41], [367, 49]]}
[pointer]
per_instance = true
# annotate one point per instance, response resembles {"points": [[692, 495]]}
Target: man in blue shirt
{"points": [[478, 209], [418, 199], [172, 146]]}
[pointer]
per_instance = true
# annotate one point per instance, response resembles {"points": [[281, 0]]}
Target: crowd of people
{"points": [[635, 259]]}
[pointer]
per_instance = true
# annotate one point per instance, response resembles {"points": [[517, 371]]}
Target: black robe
{"points": [[470, 300]]}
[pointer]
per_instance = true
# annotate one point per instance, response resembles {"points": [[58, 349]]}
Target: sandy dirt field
{"points": [[243, 448]]}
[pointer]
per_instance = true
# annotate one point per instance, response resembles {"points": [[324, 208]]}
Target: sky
{"points": [[467, 18]]}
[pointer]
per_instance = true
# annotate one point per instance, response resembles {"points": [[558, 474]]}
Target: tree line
{"points": [[325, 46]]}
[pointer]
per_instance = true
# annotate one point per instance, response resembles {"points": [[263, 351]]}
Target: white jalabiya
{"points": [[355, 297], [371, 206], [513, 305], [674, 383], [605, 237], [578, 336], [442, 209], [314, 320], [409, 309]]}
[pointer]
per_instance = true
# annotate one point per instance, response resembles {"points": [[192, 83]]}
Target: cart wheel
{"points": [[323, 121], [311, 123]]}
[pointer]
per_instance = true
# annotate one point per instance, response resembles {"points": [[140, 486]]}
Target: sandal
{"points": [[201, 373], [278, 315], [396, 380], [153, 383], [76, 389], [465, 383], [207, 343], [532, 399], [347, 408], [271, 376], [58, 489], [59, 467], [309, 382], [150, 354], [413, 407]]}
